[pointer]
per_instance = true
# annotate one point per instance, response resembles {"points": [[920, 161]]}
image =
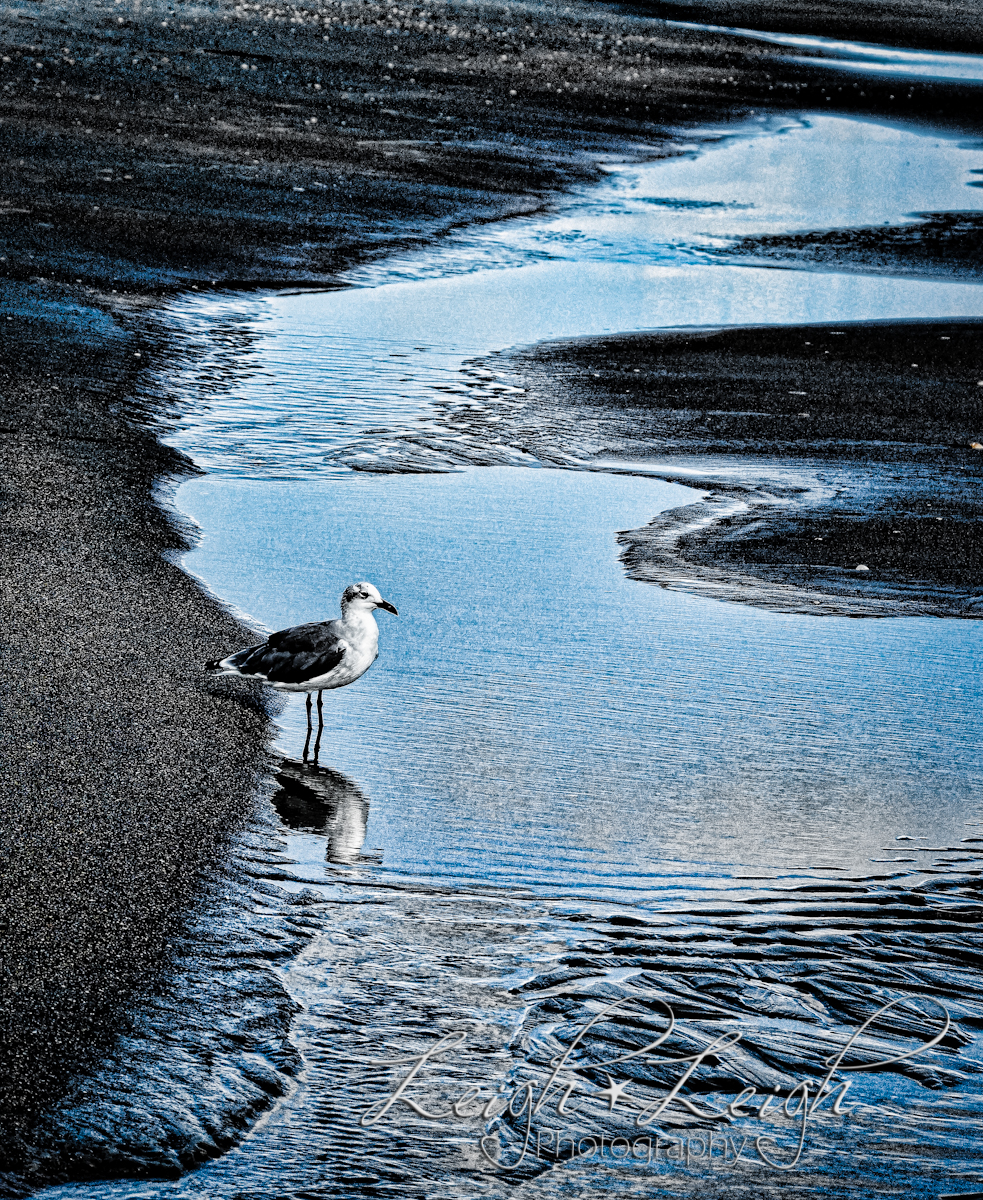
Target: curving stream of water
{"points": [[559, 787], [279, 383], [867, 58]]}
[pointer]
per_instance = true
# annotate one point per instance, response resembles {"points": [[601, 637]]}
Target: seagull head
{"points": [[364, 597]]}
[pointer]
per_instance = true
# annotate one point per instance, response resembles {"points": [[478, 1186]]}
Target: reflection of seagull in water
{"points": [[319, 800], [318, 656]]}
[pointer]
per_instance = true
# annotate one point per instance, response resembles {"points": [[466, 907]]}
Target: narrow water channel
{"points": [[276, 385], [550, 758]]}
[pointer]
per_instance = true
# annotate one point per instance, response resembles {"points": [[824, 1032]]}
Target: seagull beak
{"points": [[388, 607]]}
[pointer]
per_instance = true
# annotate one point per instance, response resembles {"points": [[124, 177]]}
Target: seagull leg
{"points": [[320, 725], [307, 740]]}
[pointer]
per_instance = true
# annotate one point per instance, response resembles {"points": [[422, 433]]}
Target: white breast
{"points": [[361, 636]]}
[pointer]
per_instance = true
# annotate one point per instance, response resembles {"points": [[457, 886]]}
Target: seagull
{"points": [[317, 656]]}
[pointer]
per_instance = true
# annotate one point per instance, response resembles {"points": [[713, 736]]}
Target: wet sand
{"points": [[888, 413], [125, 771], [149, 149], [941, 244], [147, 146], [822, 958], [921, 24]]}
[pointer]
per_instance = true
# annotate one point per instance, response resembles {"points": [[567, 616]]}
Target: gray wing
{"points": [[293, 655]]}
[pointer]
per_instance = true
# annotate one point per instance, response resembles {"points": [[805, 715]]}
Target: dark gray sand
{"points": [[148, 147], [940, 244], [889, 413], [208, 1047], [124, 769]]}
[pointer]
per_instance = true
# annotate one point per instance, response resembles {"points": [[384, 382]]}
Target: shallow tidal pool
{"points": [[538, 720]]}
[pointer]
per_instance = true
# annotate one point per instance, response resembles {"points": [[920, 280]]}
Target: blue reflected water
{"points": [[531, 696], [537, 720]]}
